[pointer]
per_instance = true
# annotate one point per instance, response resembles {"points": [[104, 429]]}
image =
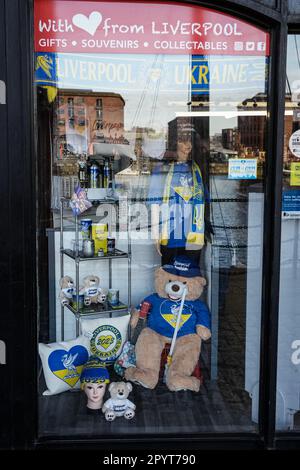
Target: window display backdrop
{"points": [[158, 111], [287, 409]]}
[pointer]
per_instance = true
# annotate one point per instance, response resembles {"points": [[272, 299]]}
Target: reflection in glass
{"points": [[187, 132], [288, 371]]}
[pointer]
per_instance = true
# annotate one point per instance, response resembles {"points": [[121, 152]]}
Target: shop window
{"points": [[288, 374], [294, 7], [151, 127]]}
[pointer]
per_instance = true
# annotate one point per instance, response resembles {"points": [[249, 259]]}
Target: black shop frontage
{"points": [[150, 196]]}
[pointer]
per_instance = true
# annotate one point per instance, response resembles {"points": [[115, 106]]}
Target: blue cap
{"points": [[183, 266], [94, 371]]}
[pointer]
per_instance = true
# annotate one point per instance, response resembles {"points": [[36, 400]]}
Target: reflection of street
{"points": [[229, 214]]}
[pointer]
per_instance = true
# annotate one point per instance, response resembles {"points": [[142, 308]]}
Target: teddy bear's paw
{"points": [[129, 414], [147, 379], [101, 298], [178, 382], [110, 415]]}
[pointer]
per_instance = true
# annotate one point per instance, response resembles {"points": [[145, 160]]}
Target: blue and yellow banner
{"points": [[46, 73], [197, 74]]}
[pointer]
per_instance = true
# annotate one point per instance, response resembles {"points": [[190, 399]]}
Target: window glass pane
{"points": [[294, 6], [153, 121], [288, 375]]}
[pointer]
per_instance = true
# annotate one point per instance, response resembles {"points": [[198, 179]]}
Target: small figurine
{"points": [[118, 404], [94, 378], [66, 284], [93, 294]]}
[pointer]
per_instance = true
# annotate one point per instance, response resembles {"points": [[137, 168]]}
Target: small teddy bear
{"points": [[66, 284], [118, 404], [93, 294]]}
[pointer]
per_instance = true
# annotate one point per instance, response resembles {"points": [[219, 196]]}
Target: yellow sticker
{"points": [[295, 174]]}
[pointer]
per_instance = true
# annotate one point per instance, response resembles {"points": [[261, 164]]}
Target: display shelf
{"points": [[116, 255], [96, 309], [77, 257]]}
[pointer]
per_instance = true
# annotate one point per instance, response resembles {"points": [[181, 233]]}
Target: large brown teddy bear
{"points": [[170, 283]]}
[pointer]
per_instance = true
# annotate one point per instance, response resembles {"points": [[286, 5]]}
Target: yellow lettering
{"points": [[92, 71], [193, 80], [203, 71], [215, 74], [242, 74], [232, 73], [82, 70]]}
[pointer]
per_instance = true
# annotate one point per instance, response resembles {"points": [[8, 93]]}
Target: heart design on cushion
{"points": [[105, 341], [67, 365], [89, 24]]}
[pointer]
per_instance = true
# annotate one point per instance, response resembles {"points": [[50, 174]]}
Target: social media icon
{"points": [[250, 46], [238, 46], [261, 46]]}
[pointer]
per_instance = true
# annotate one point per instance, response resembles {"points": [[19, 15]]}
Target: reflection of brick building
{"points": [[253, 128], [84, 118], [182, 123], [231, 138]]}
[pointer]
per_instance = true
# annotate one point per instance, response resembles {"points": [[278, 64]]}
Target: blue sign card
{"points": [[291, 204]]}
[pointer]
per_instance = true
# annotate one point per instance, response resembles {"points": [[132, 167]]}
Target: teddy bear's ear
{"points": [[111, 386], [86, 280], [129, 386], [158, 271], [203, 281]]}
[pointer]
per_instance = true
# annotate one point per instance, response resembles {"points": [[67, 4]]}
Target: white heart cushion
{"points": [[62, 364], [107, 336]]}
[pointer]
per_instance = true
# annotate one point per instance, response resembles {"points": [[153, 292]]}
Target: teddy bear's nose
{"points": [[175, 288]]}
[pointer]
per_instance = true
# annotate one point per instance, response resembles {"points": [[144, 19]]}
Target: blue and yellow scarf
{"points": [[195, 196]]}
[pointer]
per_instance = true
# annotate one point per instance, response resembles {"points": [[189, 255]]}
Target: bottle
{"points": [[94, 175], [111, 176], [106, 173], [82, 172], [101, 174]]}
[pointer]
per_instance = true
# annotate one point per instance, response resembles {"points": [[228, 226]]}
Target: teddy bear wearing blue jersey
{"points": [[170, 282]]}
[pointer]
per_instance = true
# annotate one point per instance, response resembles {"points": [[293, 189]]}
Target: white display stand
{"points": [[288, 373]]}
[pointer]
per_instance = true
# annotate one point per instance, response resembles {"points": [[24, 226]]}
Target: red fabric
{"points": [[164, 355]]}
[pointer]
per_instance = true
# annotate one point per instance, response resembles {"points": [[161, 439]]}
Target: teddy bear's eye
{"points": [[170, 280], [184, 283]]}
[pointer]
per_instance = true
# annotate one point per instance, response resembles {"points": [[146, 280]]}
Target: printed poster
{"points": [[242, 169]]}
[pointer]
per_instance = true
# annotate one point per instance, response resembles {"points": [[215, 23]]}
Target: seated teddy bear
{"points": [[93, 293], [118, 404], [170, 283], [67, 290]]}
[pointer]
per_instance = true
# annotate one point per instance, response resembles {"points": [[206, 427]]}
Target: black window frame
{"points": [[18, 320]]}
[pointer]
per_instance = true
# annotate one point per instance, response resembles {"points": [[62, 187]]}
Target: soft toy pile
{"points": [[170, 283]]}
